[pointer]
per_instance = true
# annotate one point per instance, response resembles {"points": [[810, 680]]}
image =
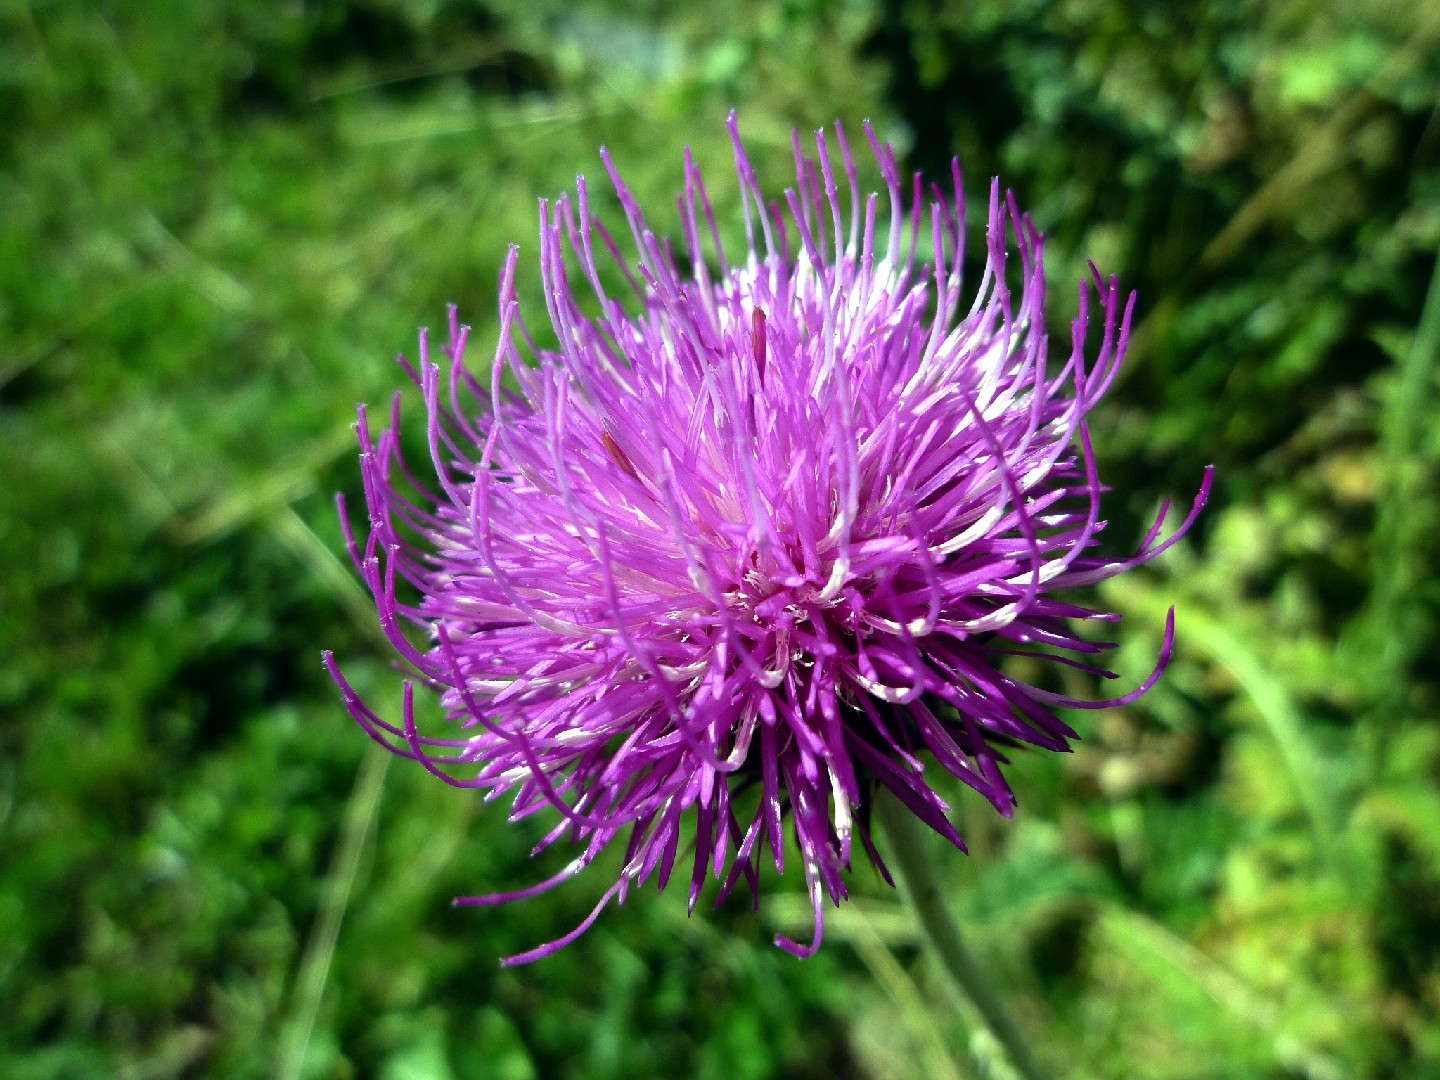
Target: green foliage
{"points": [[221, 220]]}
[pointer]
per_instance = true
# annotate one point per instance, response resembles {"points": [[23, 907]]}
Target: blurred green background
{"points": [[219, 222]]}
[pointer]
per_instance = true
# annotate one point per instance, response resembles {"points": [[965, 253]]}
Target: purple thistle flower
{"points": [[748, 548]]}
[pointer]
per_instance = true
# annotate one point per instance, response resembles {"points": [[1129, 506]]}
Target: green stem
{"points": [[907, 854], [320, 949]]}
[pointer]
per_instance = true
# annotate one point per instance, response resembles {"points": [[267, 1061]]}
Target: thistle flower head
{"points": [[753, 540]]}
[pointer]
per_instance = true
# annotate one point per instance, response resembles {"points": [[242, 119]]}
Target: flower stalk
{"points": [[905, 851]]}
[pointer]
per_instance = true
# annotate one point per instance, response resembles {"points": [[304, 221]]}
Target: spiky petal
{"points": [[752, 542]]}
